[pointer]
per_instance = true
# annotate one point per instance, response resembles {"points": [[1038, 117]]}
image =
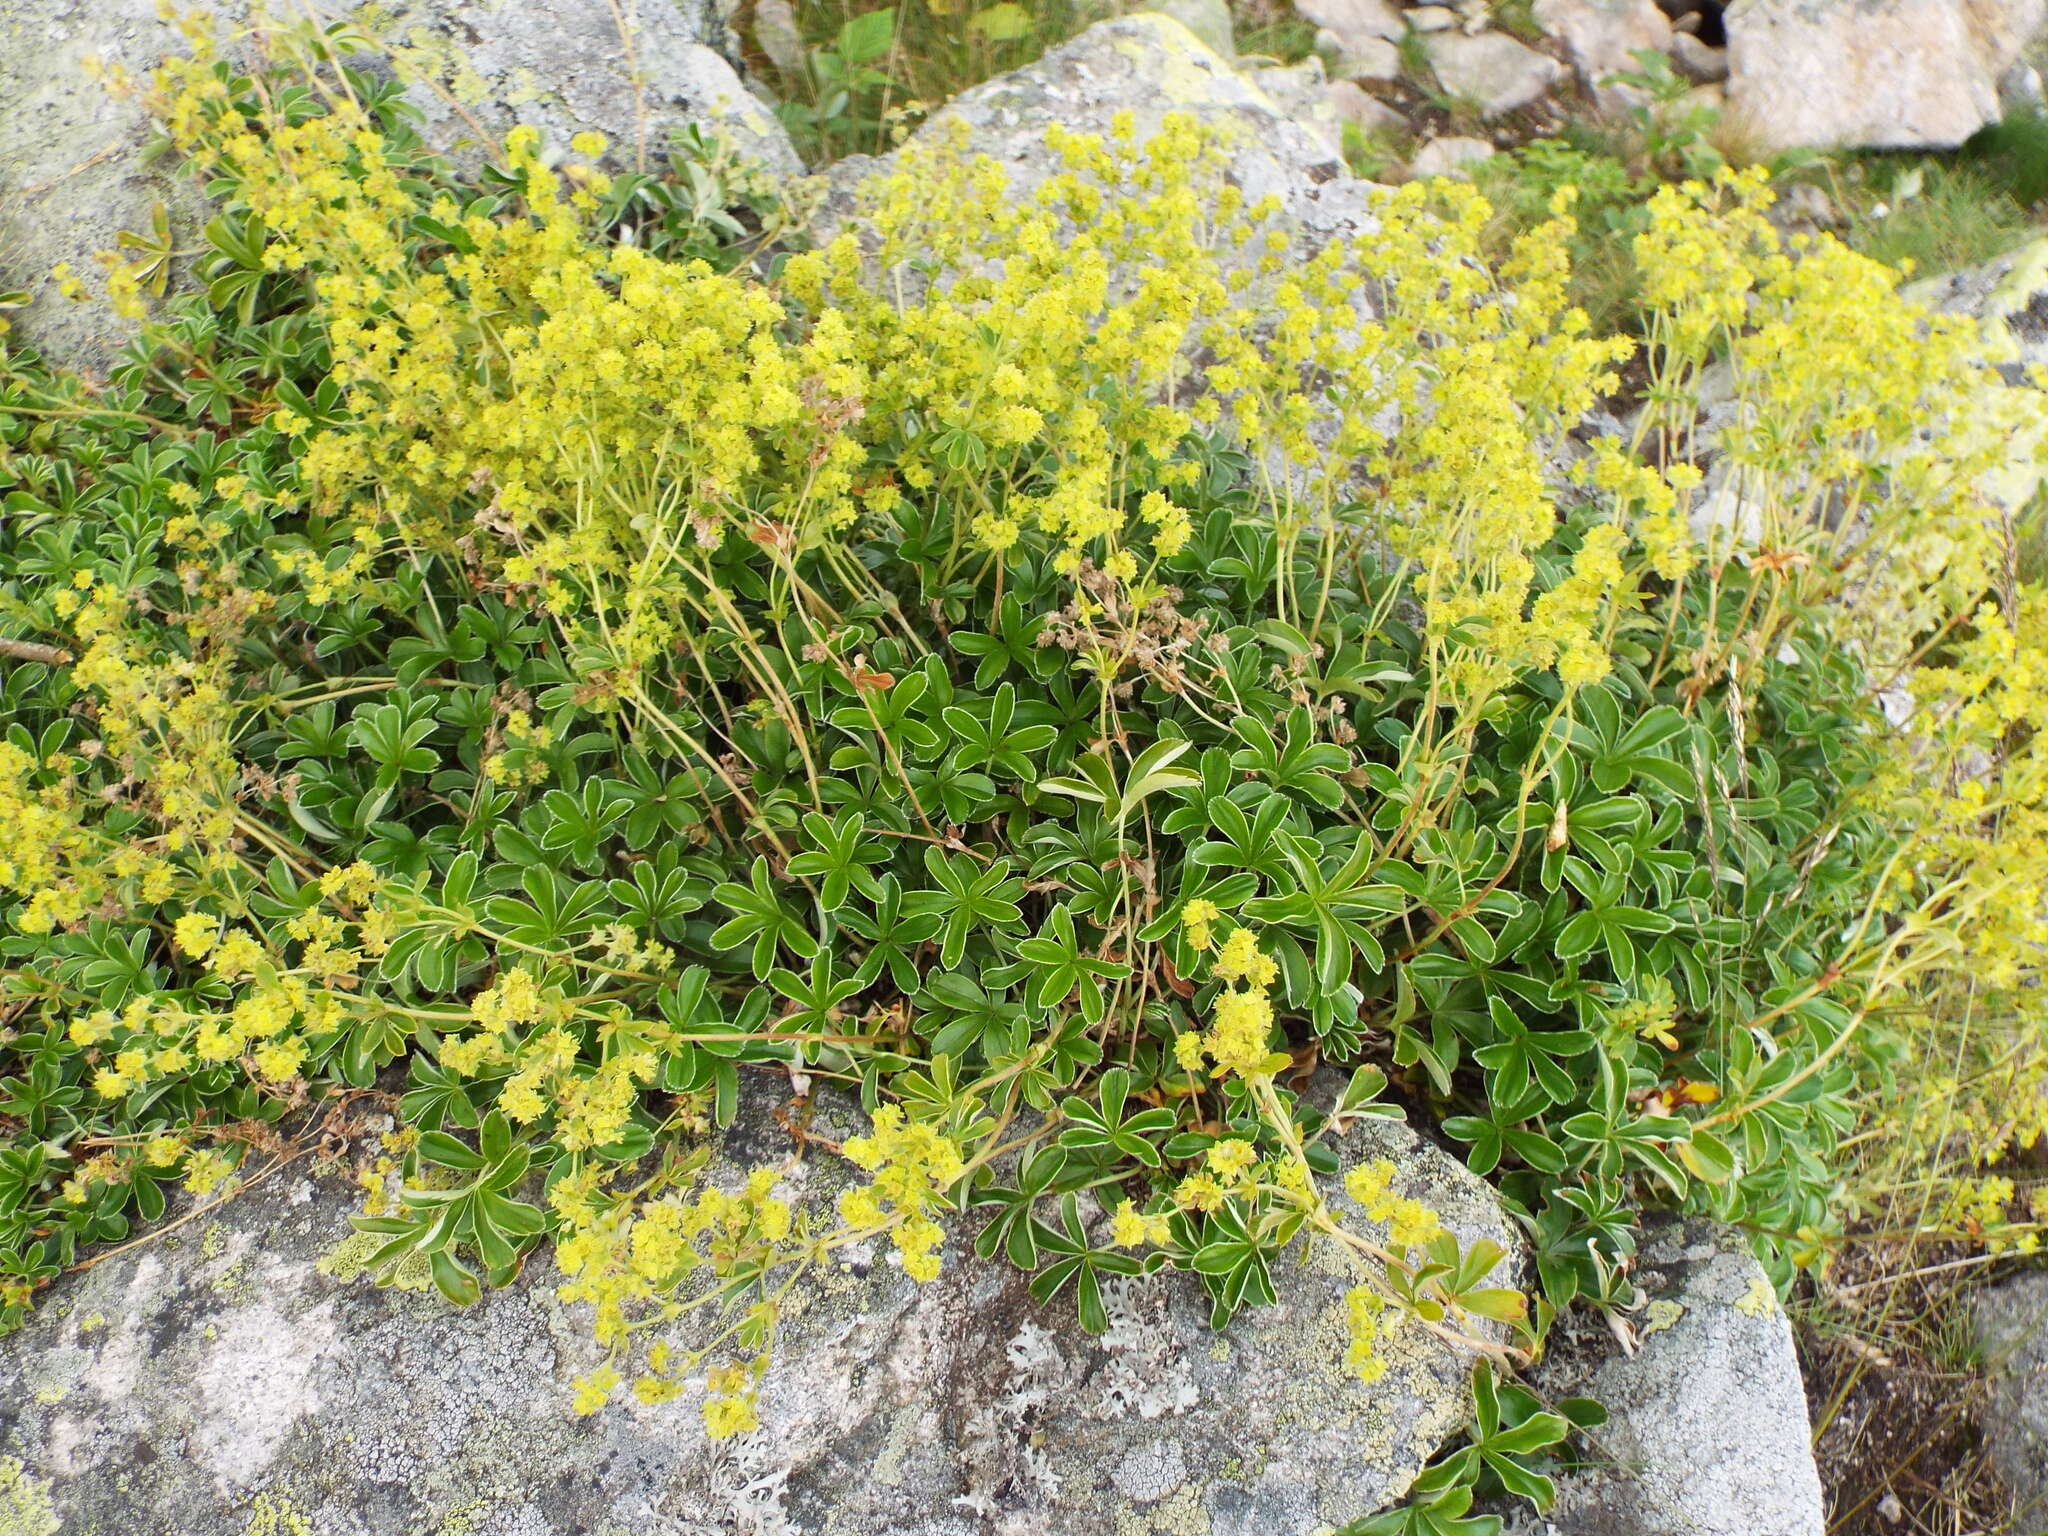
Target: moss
{"points": [[25, 1508]]}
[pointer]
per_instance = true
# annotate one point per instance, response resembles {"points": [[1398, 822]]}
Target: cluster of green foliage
{"points": [[403, 698], [855, 75]]}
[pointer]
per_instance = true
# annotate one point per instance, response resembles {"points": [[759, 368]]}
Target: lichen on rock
{"points": [[949, 1409]]}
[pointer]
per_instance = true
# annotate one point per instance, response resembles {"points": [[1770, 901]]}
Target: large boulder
{"points": [[1879, 74], [1148, 65], [1707, 1431], [175, 1385], [2012, 1337], [73, 174]]}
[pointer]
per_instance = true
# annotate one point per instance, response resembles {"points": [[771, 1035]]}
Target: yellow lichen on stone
{"points": [[2027, 276], [350, 1257], [1760, 1300], [275, 1515], [1659, 1315], [1183, 78], [462, 1522]]}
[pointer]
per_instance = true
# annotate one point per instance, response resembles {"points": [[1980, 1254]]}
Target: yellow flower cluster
{"points": [[627, 1255], [1228, 1168], [914, 1165], [1241, 1023], [1409, 1222], [1130, 1227], [1370, 1321]]}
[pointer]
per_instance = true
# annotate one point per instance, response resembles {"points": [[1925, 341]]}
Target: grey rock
{"points": [[1354, 21], [1492, 70], [2020, 89], [1363, 111], [1208, 19], [1698, 61], [173, 1385], [2009, 291], [1301, 92], [72, 176], [1363, 58], [776, 30], [1878, 74], [1449, 156], [1707, 1432], [1431, 18], [1150, 66], [2009, 296], [2012, 1336], [1600, 37], [1324, 106]]}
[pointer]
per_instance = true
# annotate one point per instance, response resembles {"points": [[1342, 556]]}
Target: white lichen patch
{"points": [[257, 1382], [1151, 1470]]}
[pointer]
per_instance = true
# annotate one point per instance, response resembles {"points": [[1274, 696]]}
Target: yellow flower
{"points": [[1130, 1227], [594, 1390], [196, 933], [725, 1417], [1231, 1159]]}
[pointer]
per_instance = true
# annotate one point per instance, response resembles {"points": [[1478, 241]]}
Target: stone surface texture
{"points": [[2012, 1336], [171, 1389], [1491, 70], [1881, 74], [1449, 156], [1355, 20], [1602, 36], [71, 169], [1366, 58], [1698, 61], [1210, 20], [1150, 66], [1708, 1432], [2010, 290], [1365, 112]]}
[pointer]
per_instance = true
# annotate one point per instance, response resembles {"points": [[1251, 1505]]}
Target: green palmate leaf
{"points": [[1058, 966], [1103, 1125], [760, 921], [1071, 1259], [972, 897]]}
